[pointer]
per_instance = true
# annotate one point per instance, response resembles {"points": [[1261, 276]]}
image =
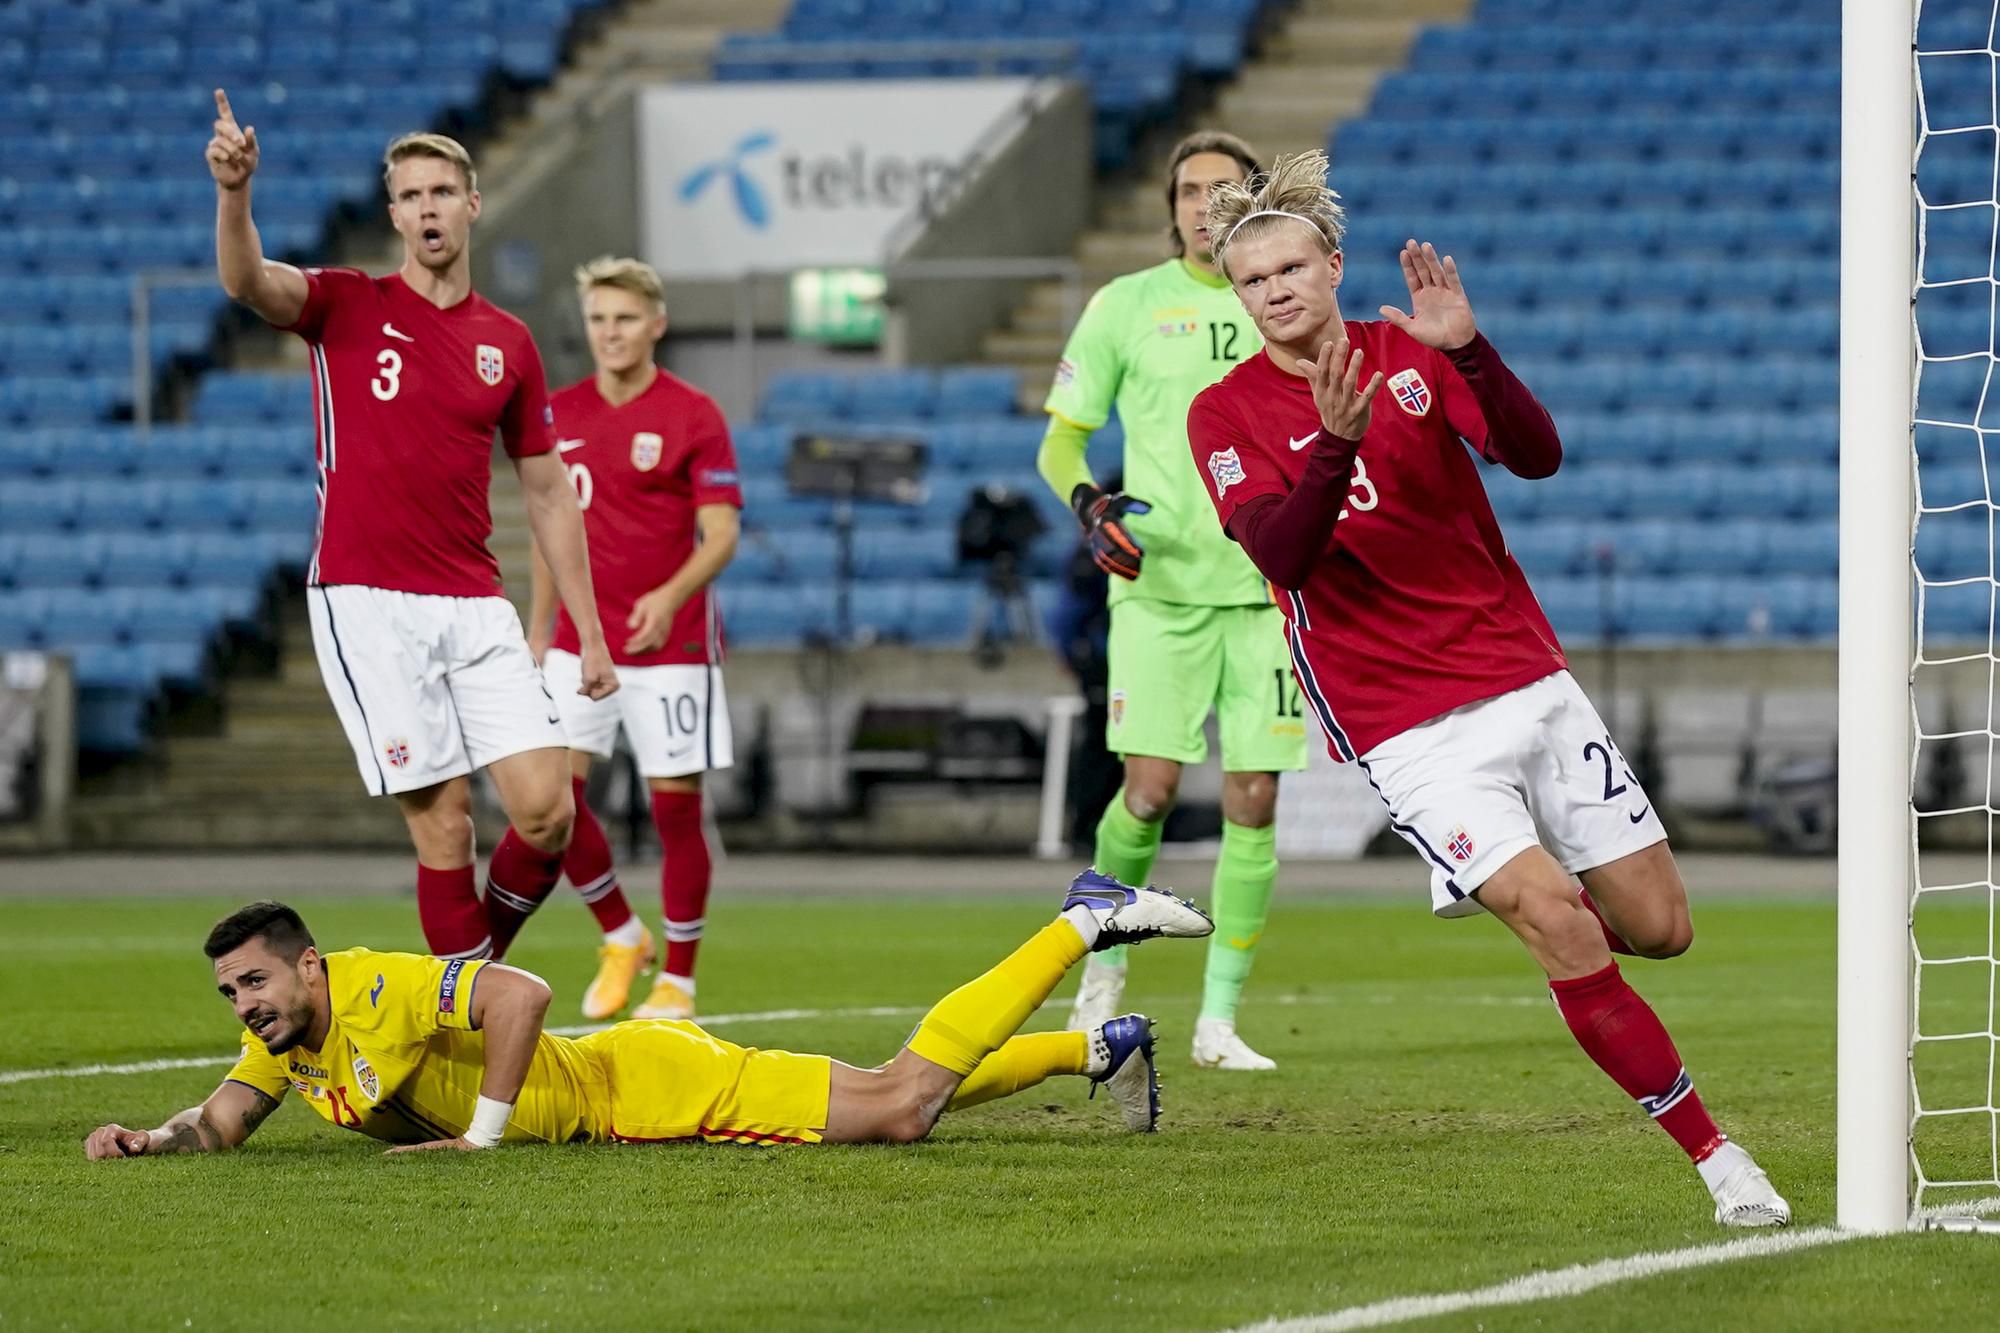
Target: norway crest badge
{"points": [[1459, 844], [1412, 394], [647, 446], [492, 366]]}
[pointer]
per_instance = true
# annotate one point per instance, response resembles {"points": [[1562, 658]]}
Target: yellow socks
{"points": [[1022, 1063], [971, 1023]]}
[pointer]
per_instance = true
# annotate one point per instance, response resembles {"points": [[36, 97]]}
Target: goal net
{"points": [[1954, 1112]]}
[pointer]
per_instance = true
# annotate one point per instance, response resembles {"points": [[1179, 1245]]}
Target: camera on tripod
{"points": [[996, 530]]}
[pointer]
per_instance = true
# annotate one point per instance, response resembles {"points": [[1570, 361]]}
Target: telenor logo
{"points": [[750, 201]]}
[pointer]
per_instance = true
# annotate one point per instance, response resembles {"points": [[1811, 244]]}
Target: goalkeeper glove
{"points": [[1102, 515]]}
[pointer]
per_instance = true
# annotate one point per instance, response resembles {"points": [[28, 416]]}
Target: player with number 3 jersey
{"points": [[413, 374], [1337, 460], [656, 477]]}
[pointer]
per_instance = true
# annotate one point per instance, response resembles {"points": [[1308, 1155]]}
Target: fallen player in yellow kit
{"points": [[426, 1053]]}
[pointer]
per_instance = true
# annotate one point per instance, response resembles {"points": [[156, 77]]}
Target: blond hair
{"points": [[442, 147], [1295, 190], [627, 275]]}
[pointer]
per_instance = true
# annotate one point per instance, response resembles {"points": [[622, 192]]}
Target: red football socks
{"points": [[448, 906], [684, 875], [587, 862], [1625, 1037], [518, 878], [1612, 938]]}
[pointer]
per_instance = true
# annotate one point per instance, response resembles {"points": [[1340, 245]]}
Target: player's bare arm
{"points": [[508, 1005], [1440, 315], [557, 525], [652, 616], [231, 1114], [277, 292], [542, 604], [1345, 404]]}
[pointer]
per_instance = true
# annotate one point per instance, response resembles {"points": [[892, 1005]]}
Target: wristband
{"points": [[489, 1122]]}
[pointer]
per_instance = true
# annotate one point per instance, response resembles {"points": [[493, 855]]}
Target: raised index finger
{"points": [[222, 107]]}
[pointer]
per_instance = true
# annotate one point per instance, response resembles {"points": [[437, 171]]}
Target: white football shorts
{"points": [[428, 688], [675, 716], [1473, 788]]}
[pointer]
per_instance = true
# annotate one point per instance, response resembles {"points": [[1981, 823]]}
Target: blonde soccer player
{"points": [[413, 374], [427, 1053], [1193, 627], [655, 477], [1338, 459]]}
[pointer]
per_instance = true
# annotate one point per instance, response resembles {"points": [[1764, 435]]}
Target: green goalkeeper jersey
{"points": [[1149, 342]]}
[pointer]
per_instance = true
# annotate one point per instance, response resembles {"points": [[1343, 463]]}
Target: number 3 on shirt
{"points": [[389, 379], [1357, 486]]}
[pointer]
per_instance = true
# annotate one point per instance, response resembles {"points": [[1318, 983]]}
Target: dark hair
{"points": [[278, 925], [1204, 141]]}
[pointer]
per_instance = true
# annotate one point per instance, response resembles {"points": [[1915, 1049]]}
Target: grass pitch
{"points": [[1431, 1128]]}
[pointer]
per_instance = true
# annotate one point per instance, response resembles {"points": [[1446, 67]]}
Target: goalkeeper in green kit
{"points": [[1193, 626]]}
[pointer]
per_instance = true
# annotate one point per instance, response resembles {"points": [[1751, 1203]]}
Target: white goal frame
{"points": [[1877, 823]]}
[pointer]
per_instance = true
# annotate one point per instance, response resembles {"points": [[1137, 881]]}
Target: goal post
{"points": [[1876, 817]]}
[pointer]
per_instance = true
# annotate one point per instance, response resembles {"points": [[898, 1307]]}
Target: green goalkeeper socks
{"points": [[1126, 846], [1240, 901]]}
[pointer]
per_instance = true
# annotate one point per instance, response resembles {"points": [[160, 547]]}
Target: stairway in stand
{"points": [[1318, 67]]}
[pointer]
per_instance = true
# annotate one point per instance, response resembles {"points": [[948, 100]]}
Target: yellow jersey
{"points": [[401, 1062]]}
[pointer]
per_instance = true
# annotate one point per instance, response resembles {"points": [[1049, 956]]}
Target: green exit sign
{"points": [[838, 305]]}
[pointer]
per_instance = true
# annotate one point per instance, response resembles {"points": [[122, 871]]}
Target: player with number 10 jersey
{"points": [[655, 475]]}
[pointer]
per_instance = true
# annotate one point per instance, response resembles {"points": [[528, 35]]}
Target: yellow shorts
{"points": [[671, 1080]]}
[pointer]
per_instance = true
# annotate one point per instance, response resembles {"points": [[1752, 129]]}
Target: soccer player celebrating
{"points": [[425, 661], [1193, 627], [432, 1054], [656, 479], [1415, 637]]}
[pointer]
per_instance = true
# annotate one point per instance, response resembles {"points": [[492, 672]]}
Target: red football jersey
{"points": [[1415, 608], [640, 471], [407, 398]]}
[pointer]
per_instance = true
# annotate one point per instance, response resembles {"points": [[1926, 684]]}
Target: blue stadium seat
{"points": [[808, 398], [88, 618], [41, 506], [222, 559], [145, 560], [899, 555], [892, 394], [977, 391], [1810, 547], [58, 561], [1730, 548], [91, 455]]}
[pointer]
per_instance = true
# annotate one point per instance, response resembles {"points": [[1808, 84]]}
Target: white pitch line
{"points": [[11, 1076], [1571, 1281], [1580, 1278]]}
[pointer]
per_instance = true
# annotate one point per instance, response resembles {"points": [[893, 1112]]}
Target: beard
{"points": [[289, 1032]]}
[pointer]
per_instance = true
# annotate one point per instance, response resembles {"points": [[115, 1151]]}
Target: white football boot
{"points": [[1743, 1193], [1216, 1046], [1097, 995]]}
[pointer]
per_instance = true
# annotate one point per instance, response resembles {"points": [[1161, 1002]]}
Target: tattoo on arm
{"points": [[190, 1132], [256, 1113]]}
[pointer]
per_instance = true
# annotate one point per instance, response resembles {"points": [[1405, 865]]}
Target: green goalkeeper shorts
{"points": [[1171, 664]]}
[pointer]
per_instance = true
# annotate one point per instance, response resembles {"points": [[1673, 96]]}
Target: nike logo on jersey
{"points": [[1641, 815], [1302, 441], [564, 446], [393, 332]]}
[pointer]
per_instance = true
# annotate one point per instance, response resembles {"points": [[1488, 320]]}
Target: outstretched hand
{"points": [[1345, 405], [232, 152], [1439, 314], [111, 1142]]}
